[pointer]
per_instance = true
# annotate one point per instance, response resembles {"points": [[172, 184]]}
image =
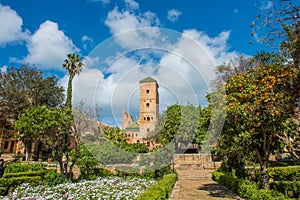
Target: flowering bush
{"points": [[112, 188]]}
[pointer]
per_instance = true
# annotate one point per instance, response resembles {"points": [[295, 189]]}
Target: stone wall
{"points": [[195, 162]]}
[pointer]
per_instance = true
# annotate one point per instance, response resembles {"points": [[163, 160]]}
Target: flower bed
{"points": [[113, 188]]}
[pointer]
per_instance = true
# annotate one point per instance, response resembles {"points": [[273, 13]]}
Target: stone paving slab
{"points": [[199, 188]]}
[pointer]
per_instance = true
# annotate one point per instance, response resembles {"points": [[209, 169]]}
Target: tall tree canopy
{"points": [[259, 101], [73, 64], [21, 88]]}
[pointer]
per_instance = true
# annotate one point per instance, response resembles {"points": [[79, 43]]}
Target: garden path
{"points": [[198, 185]]}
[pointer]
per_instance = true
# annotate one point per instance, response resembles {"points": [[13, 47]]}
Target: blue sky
{"points": [[186, 39]]}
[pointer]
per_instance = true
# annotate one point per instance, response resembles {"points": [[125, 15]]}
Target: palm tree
{"points": [[73, 65]]}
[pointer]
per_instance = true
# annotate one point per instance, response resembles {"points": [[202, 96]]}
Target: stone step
{"points": [[194, 178]]}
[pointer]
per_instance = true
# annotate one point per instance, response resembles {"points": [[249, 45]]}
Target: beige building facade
{"points": [[138, 131]]}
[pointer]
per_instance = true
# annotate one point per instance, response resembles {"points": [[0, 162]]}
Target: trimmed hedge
{"points": [[291, 173], [161, 190], [8, 185], [19, 167], [245, 188], [147, 172], [29, 173]]}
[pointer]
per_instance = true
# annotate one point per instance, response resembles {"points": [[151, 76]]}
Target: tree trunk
{"points": [[263, 156], [264, 173], [27, 149], [58, 158], [69, 94], [77, 150]]}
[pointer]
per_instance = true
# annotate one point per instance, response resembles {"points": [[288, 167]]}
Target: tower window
{"points": [[147, 91], [148, 118], [147, 105], [148, 129]]}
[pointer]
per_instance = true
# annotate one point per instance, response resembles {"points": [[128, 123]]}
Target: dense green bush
{"points": [[289, 188], [32, 173], [19, 167], [99, 171], [8, 185], [134, 148], [246, 189], [291, 173], [29, 173], [52, 178], [147, 172], [161, 190], [88, 165], [108, 153]]}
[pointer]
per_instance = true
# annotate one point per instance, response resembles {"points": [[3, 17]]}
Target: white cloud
{"points": [[86, 41], [104, 2], [125, 21], [11, 26], [173, 15], [48, 46], [3, 69], [131, 4], [266, 5]]}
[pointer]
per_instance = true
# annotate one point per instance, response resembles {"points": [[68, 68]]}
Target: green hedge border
{"points": [[246, 189], [161, 190]]}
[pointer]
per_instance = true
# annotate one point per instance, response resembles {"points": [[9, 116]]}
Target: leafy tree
{"points": [[114, 135], [182, 123], [73, 65], [258, 103], [50, 126], [23, 87]]}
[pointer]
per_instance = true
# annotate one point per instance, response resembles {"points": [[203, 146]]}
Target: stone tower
{"points": [[149, 105]]}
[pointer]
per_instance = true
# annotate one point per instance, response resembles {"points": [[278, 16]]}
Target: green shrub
{"points": [[246, 189], [108, 153], [8, 185], [147, 172], [53, 178], [18, 167], [161, 190], [135, 148], [127, 171], [291, 173], [87, 166], [99, 171], [289, 188], [20, 174]]}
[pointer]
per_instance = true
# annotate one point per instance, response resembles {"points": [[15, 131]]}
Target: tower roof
{"points": [[148, 79]]}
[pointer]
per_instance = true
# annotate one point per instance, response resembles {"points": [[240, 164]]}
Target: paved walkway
{"points": [[198, 185]]}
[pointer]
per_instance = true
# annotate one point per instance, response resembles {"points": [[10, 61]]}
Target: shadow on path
{"points": [[216, 190]]}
